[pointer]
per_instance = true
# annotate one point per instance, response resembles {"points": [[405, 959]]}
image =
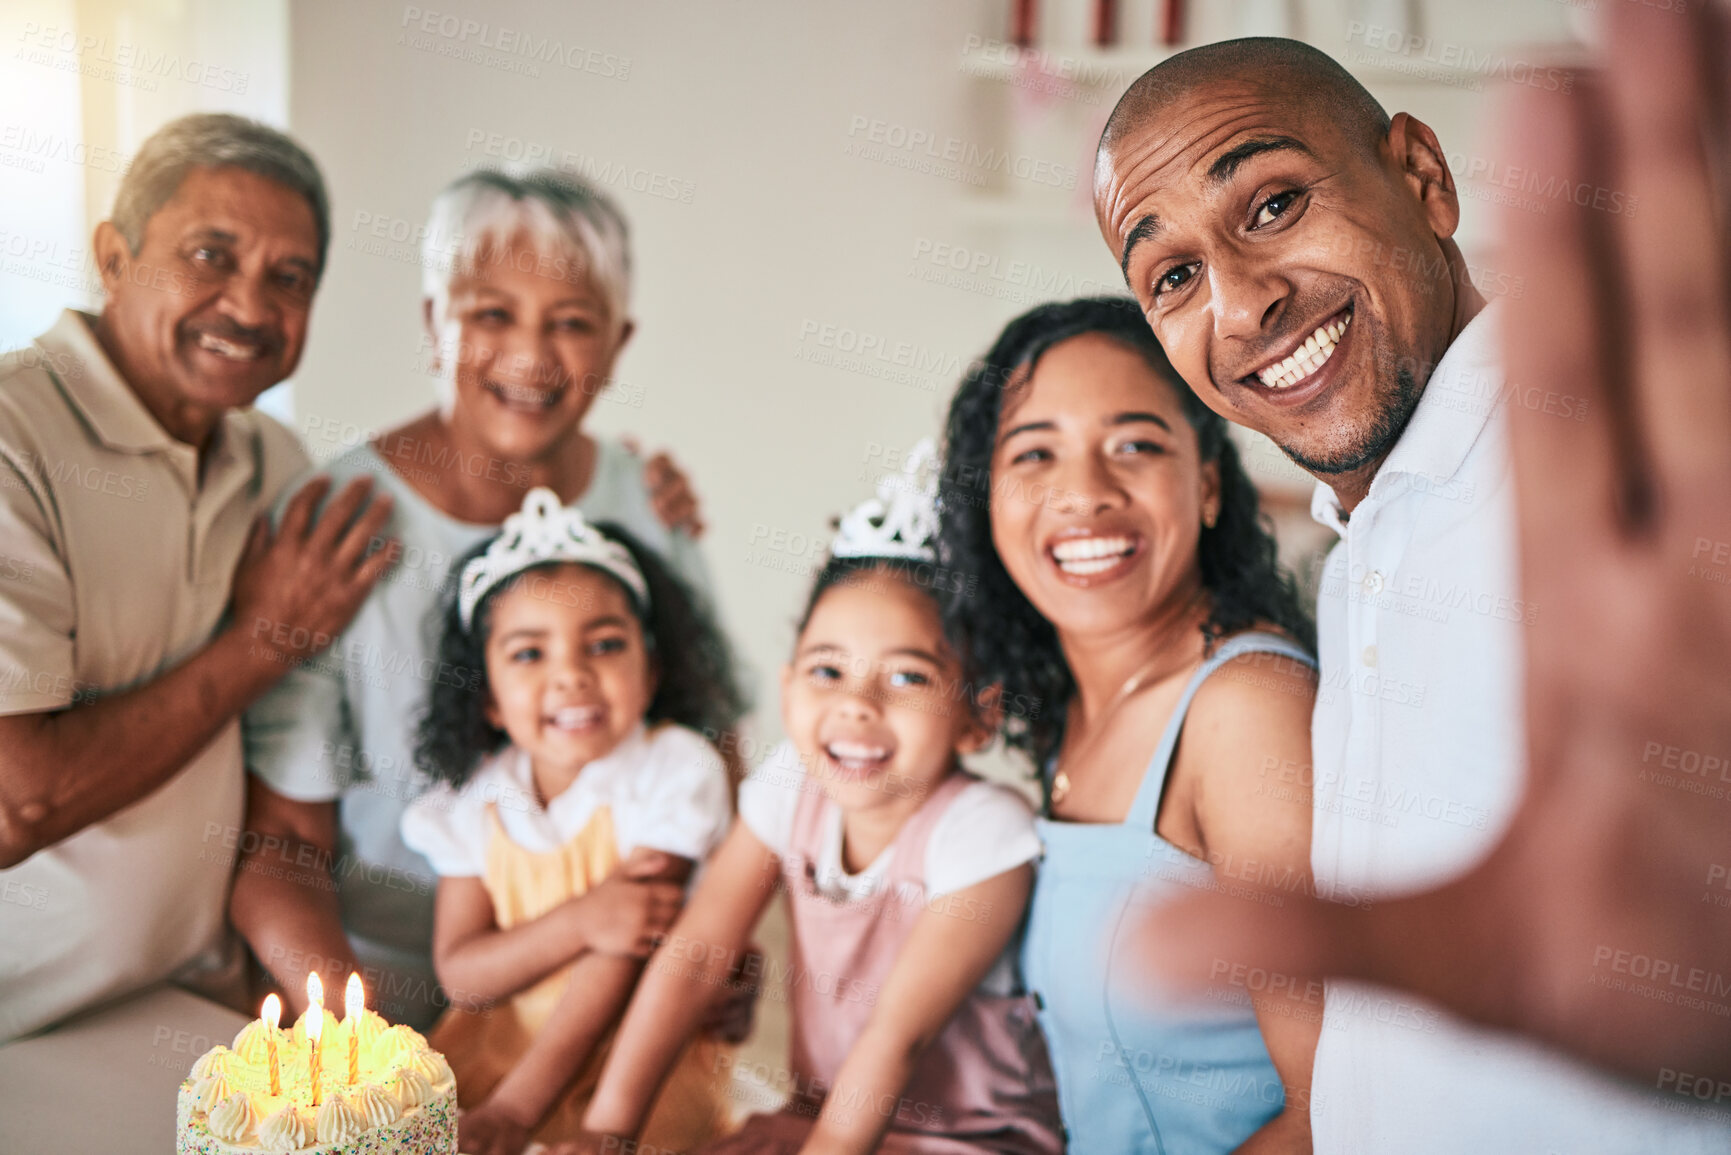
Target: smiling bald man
{"points": [[1292, 247]]}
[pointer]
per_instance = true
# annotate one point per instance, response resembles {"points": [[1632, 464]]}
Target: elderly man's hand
{"points": [[490, 1129], [1602, 922], [296, 590]]}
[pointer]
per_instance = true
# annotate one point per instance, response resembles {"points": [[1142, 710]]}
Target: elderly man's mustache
{"points": [[223, 335]]}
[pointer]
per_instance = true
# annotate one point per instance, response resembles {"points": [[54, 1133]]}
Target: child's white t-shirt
{"points": [[986, 830], [667, 790]]}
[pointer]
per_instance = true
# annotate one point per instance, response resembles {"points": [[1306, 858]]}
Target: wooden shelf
{"points": [[1112, 70]]}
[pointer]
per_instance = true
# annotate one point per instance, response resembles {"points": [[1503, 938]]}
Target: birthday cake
{"points": [[292, 1090]]}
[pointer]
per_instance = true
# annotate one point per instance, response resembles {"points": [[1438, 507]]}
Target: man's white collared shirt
{"points": [[1418, 760]]}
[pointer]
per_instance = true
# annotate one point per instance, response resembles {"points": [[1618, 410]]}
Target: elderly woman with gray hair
{"points": [[526, 286]]}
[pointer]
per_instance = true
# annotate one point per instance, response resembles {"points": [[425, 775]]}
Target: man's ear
{"points": [[985, 719], [113, 255], [1415, 148]]}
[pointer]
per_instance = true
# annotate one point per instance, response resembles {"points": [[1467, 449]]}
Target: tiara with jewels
{"points": [[544, 531], [902, 520]]}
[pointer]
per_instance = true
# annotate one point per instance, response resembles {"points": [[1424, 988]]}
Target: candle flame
{"points": [[271, 1015], [315, 990], [354, 1000], [315, 1023]]}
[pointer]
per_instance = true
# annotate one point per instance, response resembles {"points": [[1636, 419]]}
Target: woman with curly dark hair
{"points": [[1155, 664], [575, 796]]}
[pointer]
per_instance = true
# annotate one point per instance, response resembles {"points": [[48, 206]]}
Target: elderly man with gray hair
{"points": [[144, 602]]}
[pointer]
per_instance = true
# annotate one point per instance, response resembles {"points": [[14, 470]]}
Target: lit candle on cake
{"points": [[354, 1010], [407, 1101], [315, 1027], [271, 1016]]}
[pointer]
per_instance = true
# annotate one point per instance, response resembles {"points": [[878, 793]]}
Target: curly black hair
{"points": [[1004, 637], [931, 579], [695, 684], [934, 581]]}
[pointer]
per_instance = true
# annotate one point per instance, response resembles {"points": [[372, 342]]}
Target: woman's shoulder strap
{"points": [[1147, 803]]}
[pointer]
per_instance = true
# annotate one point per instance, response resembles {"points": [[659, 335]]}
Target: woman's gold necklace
{"points": [[1061, 780]]}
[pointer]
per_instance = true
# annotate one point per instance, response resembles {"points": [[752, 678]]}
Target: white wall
{"points": [[810, 281], [43, 235], [82, 84], [798, 298], [762, 240], [746, 109]]}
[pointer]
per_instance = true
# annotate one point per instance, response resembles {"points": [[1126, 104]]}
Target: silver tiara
{"points": [[544, 531], [902, 520]]}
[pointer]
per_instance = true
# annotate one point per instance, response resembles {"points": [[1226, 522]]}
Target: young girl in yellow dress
{"points": [[576, 795]]}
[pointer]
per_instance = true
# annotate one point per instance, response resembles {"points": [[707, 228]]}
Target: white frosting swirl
{"points": [[397, 1046], [209, 1091], [285, 1131], [250, 1044], [212, 1061], [432, 1064], [413, 1089], [375, 1106], [338, 1122], [233, 1118]]}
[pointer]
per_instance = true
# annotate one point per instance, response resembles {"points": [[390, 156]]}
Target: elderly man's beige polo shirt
{"points": [[115, 565]]}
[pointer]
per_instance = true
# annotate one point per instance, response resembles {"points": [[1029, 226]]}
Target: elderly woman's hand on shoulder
{"points": [[670, 491]]}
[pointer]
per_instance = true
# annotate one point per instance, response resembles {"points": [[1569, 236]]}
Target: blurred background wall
{"points": [[835, 206]]}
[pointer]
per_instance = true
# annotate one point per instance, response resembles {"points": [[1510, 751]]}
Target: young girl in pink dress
{"points": [[907, 879]]}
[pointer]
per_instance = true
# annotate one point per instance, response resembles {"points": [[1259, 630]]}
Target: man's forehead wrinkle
{"points": [[1227, 163], [1189, 145], [1190, 107]]}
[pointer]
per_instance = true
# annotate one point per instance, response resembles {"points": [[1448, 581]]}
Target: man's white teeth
{"points": [[229, 349], [577, 717], [1091, 555], [1307, 359]]}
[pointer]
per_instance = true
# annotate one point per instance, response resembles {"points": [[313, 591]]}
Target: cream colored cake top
{"points": [[332, 1098]]}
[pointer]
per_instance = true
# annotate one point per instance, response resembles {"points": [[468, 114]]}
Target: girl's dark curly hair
{"points": [[839, 570], [695, 683], [870, 572], [1004, 637]]}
